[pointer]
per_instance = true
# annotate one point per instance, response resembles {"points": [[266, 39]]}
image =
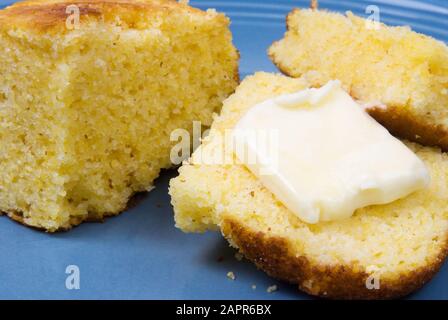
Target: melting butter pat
{"points": [[328, 158]]}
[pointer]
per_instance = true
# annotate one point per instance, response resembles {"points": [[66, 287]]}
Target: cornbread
{"points": [[86, 110], [400, 245], [404, 72]]}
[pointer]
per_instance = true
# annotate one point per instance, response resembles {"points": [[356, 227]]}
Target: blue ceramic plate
{"points": [[140, 254]]}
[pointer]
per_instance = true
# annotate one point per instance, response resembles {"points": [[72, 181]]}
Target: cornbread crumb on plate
{"points": [[239, 256], [86, 110], [406, 240], [272, 288], [403, 73], [231, 275]]}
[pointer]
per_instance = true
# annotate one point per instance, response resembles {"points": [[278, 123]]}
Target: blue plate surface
{"points": [[140, 254]]}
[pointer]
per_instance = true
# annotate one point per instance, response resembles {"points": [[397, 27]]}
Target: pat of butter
{"points": [[328, 158]]}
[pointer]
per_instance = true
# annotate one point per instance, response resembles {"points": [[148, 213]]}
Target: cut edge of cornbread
{"points": [[403, 71], [75, 221], [86, 114], [403, 243]]}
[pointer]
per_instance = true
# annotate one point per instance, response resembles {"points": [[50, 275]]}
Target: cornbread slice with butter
{"points": [[326, 157], [87, 105], [400, 245], [403, 71]]}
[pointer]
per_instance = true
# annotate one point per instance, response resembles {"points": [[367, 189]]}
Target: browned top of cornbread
{"points": [[51, 15]]}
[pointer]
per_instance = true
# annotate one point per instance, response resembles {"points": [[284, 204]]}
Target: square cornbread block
{"points": [[87, 105], [401, 73], [382, 251]]}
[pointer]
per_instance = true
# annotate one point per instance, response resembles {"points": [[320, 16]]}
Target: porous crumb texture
{"points": [[404, 70], [404, 242], [86, 113]]}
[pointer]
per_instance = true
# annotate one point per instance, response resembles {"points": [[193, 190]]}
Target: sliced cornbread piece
{"points": [[401, 69], [399, 246], [86, 110]]}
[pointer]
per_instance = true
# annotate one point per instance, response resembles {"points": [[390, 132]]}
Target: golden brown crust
{"points": [[407, 126], [272, 255], [51, 15], [236, 71]]}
